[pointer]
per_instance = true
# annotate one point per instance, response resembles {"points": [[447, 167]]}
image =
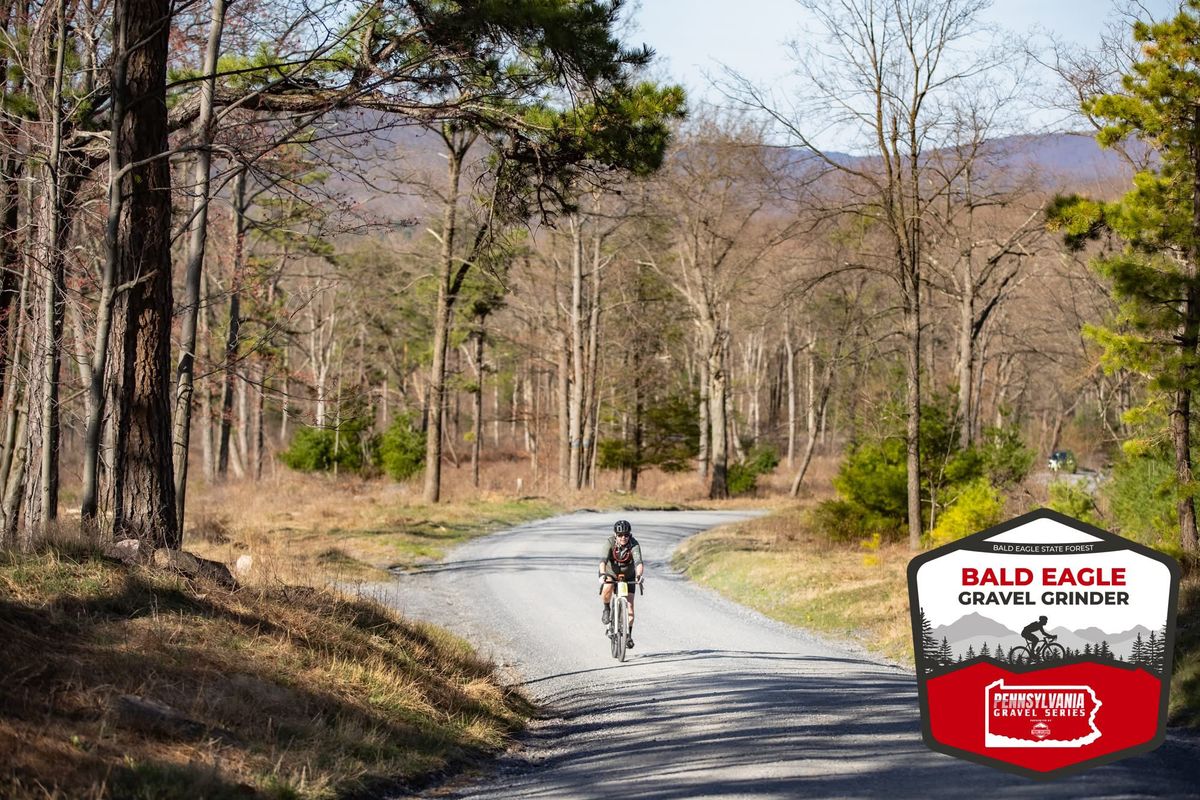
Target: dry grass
{"points": [[778, 566], [316, 530], [287, 693]]}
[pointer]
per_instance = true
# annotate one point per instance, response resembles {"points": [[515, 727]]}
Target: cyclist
{"points": [[623, 561], [1040, 627]]}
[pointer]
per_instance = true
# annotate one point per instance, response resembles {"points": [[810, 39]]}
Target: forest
{"points": [[378, 238]]}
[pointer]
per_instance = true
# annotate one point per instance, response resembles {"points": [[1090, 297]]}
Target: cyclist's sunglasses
{"points": [[622, 535]]}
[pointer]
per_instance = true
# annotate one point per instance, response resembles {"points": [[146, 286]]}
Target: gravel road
{"points": [[715, 700]]}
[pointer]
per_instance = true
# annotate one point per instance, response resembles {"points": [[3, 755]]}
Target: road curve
{"points": [[715, 700]]}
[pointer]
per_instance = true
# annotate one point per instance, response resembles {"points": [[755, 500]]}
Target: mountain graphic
{"points": [[972, 626]]}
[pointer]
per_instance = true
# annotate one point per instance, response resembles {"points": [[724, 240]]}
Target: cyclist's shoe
{"points": [[628, 642], [606, 615]]}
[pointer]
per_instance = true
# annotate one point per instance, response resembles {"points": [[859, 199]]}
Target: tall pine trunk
{"points": [[140, 346]]}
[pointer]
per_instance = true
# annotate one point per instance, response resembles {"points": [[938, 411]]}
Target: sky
{"points": [[694, 40]]}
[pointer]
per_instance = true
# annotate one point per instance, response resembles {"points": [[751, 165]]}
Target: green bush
{"points": [[874, 474], [402, 449], [1006, 458], [1142, 499], [312, 449], [743, 477], [845, 521], [670, 437], [741, 480], [978, 506], [615, 454], [1074, 500]]}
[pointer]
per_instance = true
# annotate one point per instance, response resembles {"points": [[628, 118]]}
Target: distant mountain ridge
{"points": [[393, 153]]}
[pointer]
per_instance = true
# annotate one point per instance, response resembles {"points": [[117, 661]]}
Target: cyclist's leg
{"points": [[605, 598], [631, 578]]}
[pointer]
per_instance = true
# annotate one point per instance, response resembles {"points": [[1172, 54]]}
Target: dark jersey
{"points": [[1028, 630], [621, 560]]}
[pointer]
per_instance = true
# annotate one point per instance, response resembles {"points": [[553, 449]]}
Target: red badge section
{"points": [[1042, 645]]}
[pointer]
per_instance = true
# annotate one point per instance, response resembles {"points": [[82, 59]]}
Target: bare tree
{"points": [[886, 83]]}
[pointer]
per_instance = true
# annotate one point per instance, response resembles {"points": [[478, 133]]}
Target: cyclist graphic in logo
{"points": [[1039, 626]]}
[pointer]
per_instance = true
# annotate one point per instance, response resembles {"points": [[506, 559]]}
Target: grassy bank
{"points": [[122, 682], [313, 530], [779, 566], [775, 565]]}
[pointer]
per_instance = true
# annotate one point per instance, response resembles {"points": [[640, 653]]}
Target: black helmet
{"points": [[1042, 619], [622, 526]]}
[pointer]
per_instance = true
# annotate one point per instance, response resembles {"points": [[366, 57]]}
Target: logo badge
{"points": [[1043, 645]]}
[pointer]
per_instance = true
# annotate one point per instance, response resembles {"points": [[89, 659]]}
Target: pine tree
{"points": [[945, 654], [983, 651], [1087, 649], [1139, 656], [1156, 280], [970, 652], [1153, 647], [929, 654]]}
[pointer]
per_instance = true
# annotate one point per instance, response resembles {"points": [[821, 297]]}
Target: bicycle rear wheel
{"points": [[621, 615], [1020, 655], [1053, 652]]}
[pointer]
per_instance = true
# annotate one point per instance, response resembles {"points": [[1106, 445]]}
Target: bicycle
{"points": [[1048, 649], [618, 615]]}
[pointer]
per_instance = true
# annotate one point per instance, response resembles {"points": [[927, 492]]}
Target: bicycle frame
{"points": [[618, 618]]}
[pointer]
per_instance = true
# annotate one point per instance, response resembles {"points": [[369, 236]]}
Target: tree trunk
{"points": [[966, 362], [233, 336], [791, 394], [42, 390], [436, 397], [575, 409], [286, 399], [718, 486], [638, 411], [477, 404], [13, 410], [703, 454], [591, 393], [564, 409], [16, 480], [197, 239], [912, 404], [810, 445], [143, 473], [260, 398]]}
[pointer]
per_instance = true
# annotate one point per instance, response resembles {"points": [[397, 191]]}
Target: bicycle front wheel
{"points": [[621, 617], [1020, 656], [1053, 652], [613, 610]]}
